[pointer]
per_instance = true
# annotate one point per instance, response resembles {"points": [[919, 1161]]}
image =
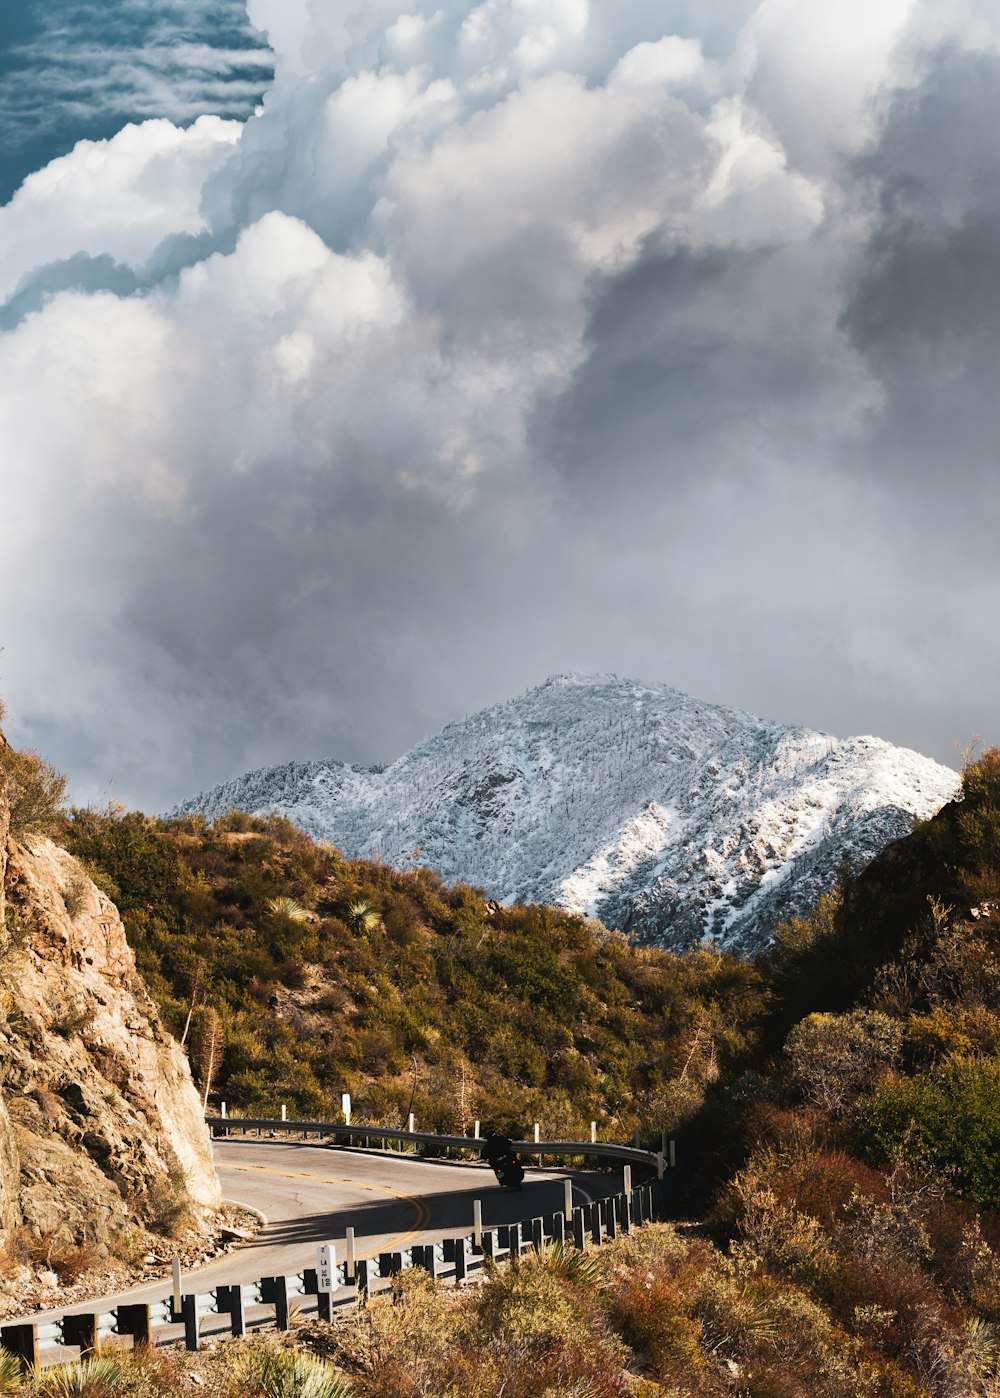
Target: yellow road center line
{"points": [[422, 1211]]}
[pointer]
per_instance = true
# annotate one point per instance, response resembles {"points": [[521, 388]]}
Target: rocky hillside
{"points": [[628, 802], [101, 1130]]}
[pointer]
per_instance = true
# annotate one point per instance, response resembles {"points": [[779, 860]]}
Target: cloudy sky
{"points": [[363, 362]]}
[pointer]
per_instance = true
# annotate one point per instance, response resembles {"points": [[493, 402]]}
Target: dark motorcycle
{"points": [[503, 1160]]}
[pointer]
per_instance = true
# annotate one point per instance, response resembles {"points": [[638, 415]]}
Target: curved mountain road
{"points": [[312, 1194]]}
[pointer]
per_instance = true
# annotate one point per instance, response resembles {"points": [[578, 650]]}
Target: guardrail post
{"points": [[361, 1275], [490, 1243], [611, 1217], [559, 1229], [537, 1234], [81, 1330], [579, 1229], [188, 1315], [22, 1342], [426, 1257], [274, 1292], [324, 1299], [389, 1263], [229, 1300], [460, 1267], [136, 1320]]}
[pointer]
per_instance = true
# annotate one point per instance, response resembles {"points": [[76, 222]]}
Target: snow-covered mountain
{"points": [[630, 802]]}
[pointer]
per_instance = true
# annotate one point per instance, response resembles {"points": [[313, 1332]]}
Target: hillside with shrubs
{"points": [[836, 1210], [294, 975]]}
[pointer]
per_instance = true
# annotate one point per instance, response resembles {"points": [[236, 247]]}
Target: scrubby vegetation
{"points": [[837, 1104], [294, 975], [35, 792], [654, 1315]]}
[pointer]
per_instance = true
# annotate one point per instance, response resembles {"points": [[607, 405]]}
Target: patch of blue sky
{"points": [[74, 69]]}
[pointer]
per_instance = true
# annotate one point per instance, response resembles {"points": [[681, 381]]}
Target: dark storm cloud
{"points": [[925, 310], [667, 393], [508, 340]]}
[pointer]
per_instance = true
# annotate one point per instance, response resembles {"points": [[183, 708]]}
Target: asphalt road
{"points": [[311, 1194]]}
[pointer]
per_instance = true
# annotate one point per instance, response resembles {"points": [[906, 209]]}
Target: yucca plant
{"points": [[267, 1373], [982, 1348], [364, 917], [289, 908], [567, 1261], [106, 1376], [10, 1373]]}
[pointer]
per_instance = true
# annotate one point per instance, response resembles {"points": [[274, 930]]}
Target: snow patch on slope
{"points": [[669, 817]]}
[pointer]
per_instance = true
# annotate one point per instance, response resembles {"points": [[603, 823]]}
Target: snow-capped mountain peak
{"points": [[631, 802]]}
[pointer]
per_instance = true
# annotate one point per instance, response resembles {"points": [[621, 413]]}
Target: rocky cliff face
{"points": [[9, 1164], [101, 1130]]}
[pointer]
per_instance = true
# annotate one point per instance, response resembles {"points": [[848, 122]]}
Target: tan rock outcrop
{"points": [[101, 1129], [9, 1161]]}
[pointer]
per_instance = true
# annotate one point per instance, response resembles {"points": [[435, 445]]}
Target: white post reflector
{"points": [[477, 1221], [568, 1200], [537, 1136], [627, 1181], [176, 1270], [411, 1127], [223, 1111], [476, 1131], [284, 1112], [349, 1255], [345, 1102], [593, 1133], [326, 1268]]}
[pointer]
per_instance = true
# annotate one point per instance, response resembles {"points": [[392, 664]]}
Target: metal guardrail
{"points": [[457, 1258], [609, 1150]]}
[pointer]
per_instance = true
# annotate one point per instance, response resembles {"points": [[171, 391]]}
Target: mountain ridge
{"points": [[630, 801]]}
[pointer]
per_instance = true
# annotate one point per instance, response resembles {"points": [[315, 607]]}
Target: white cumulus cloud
{"points": [[504, 338]]}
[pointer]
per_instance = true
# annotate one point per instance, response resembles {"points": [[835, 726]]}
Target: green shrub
{"points": [[836, 1056], [949, 1123], [35, 792]]}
